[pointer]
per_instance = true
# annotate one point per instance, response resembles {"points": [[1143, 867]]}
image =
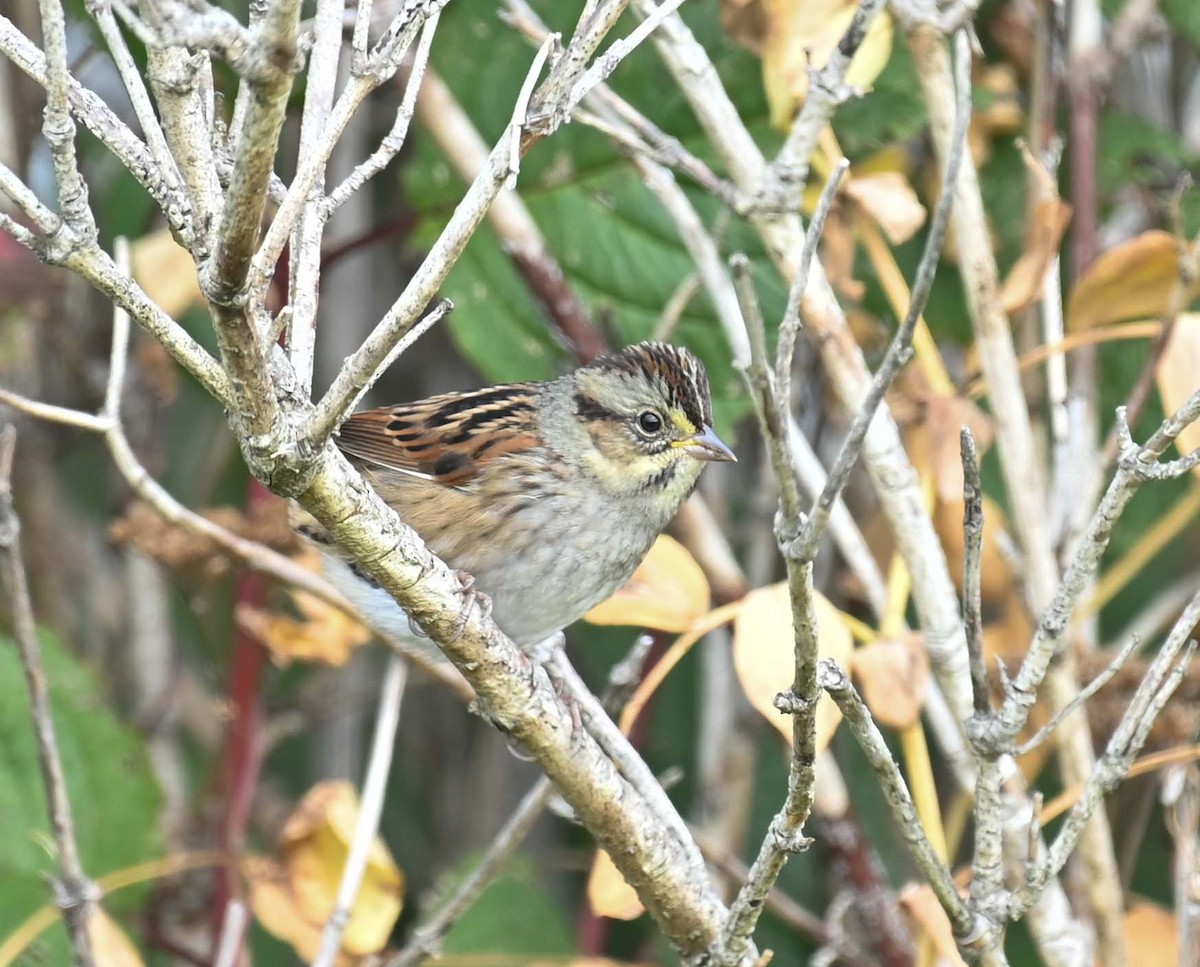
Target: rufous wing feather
{"points": [[445, 439]]}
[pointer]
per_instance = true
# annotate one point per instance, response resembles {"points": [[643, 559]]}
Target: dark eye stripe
{"points": [[587, 408]]}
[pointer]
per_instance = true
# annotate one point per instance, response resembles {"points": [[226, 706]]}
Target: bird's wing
{"points": [[444, 439]]}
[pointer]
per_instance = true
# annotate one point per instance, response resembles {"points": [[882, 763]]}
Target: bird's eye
{"points": [[649, 422]]}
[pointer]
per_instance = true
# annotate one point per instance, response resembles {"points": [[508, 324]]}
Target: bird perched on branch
{"points": [[547, 494]]}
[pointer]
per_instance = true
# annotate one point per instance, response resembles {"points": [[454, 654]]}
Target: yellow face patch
{"points": [[682, 424]]}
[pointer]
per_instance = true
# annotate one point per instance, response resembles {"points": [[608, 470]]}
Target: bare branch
{"points": [[111, 132], [75, 894], [972, 569], [901, 348], [790, 326], [1154, 691], [854, 712], [394, 140], [1092, 688], [58, 126], [826, 91]]}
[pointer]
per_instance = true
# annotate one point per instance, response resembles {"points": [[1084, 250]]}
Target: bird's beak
{"points": [[706, 445]]}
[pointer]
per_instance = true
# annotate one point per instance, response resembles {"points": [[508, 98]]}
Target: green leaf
{"points": [[1184, 17], [1134, 151], [114, 798], [893, 110], [618, 249], [515, 914]]}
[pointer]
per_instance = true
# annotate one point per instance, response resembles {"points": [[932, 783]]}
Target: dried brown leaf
{"points": [[1023, 287], [179, 548], [888, 199], [1137, 278], [893, 676]]}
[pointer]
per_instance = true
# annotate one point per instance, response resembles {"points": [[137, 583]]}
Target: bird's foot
{"points": [[547, 653], [470, 596]]}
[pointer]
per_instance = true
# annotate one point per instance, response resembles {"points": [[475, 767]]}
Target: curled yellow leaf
{"points": [[889, 200], [294, 896], [166, 271], [111, 947], [802, 34], [322, 633]]}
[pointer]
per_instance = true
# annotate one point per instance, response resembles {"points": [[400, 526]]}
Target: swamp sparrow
{"points": [[547, 494]]}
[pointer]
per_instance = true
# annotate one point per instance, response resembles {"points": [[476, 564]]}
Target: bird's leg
{"points": [[547, 653], [470, 596]]}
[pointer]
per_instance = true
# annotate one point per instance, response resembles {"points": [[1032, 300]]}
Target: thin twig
{"points": [[790, 326], [370, 809], [75, 894], [1155, 690], [972, 569], [901, 347], [394, 140], [855, 714], [1091, 689], [785, 835], [233, 929], [427, 938]]}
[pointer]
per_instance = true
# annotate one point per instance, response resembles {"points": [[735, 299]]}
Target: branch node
{"points": [[789, 703]]}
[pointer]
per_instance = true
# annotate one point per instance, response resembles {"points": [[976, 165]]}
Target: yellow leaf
{"points": [[1137, 278], [294, 897], [667, 592], [166, 271], [764, 654], [110, 946], [923, 909], [274, 905], [1023, 287], [890, 201], [800, 34], [609, 894], [1151, 930], [1179, 375], [893, 676]]}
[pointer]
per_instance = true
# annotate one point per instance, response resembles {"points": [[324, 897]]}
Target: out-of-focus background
{"points": [[174, 692]]}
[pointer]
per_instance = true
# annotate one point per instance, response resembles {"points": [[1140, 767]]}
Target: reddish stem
{"points": [[242, 756]]}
